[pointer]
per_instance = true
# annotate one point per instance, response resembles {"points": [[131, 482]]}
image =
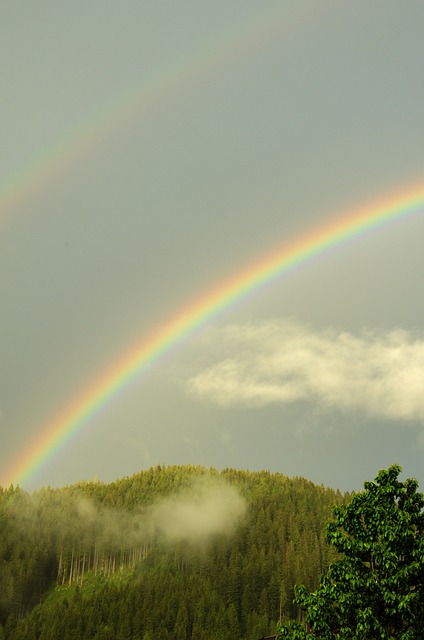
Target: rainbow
{"points": [[121, 114], [83, 408]]}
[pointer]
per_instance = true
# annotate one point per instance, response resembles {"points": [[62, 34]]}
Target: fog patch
{"points": [[207, 509]]}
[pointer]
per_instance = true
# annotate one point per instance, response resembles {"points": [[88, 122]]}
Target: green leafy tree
{"points": [[376, 589]]}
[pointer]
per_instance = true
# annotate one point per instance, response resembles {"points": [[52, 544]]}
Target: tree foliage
{"points": [[376, 589], [84, 562]]}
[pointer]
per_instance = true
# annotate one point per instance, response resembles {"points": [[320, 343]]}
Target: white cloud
{"points": [[210, 507], [381, 374]]}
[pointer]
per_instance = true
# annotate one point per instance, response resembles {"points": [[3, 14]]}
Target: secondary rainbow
{"points": [[51, 164], [83, 408]]}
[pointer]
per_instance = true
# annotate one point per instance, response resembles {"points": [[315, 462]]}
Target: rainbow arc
{"points": [[83, 409]]}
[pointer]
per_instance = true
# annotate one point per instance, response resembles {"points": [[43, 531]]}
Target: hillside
{"points": [[171, 552]]}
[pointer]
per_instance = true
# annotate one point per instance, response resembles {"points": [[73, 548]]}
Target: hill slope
{"points": [[171, 552]]}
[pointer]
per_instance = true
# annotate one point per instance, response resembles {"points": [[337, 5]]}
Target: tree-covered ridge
{"points": [[116, 561]]}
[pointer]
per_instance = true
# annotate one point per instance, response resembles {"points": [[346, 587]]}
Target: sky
{"points": [[152, 150]]}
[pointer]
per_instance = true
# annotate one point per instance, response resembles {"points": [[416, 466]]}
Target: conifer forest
{"points": [[180, 552]]}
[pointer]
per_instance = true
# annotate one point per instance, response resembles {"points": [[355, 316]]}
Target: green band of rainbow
{"points": [[84, 407]]}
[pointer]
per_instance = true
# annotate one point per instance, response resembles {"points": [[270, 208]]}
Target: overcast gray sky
{"points": [[149, 150]]}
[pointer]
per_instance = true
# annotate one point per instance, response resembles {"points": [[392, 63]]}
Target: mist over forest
{"points": [[172, 552]]}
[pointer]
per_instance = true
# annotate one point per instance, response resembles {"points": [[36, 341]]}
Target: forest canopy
{"points": [[171, 552]]}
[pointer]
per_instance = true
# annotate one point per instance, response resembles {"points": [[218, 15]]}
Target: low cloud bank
{"points": [[381, 374], [208, 508]]}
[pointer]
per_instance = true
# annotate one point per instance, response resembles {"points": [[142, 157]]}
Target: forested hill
{"points": [[172, 553]]}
